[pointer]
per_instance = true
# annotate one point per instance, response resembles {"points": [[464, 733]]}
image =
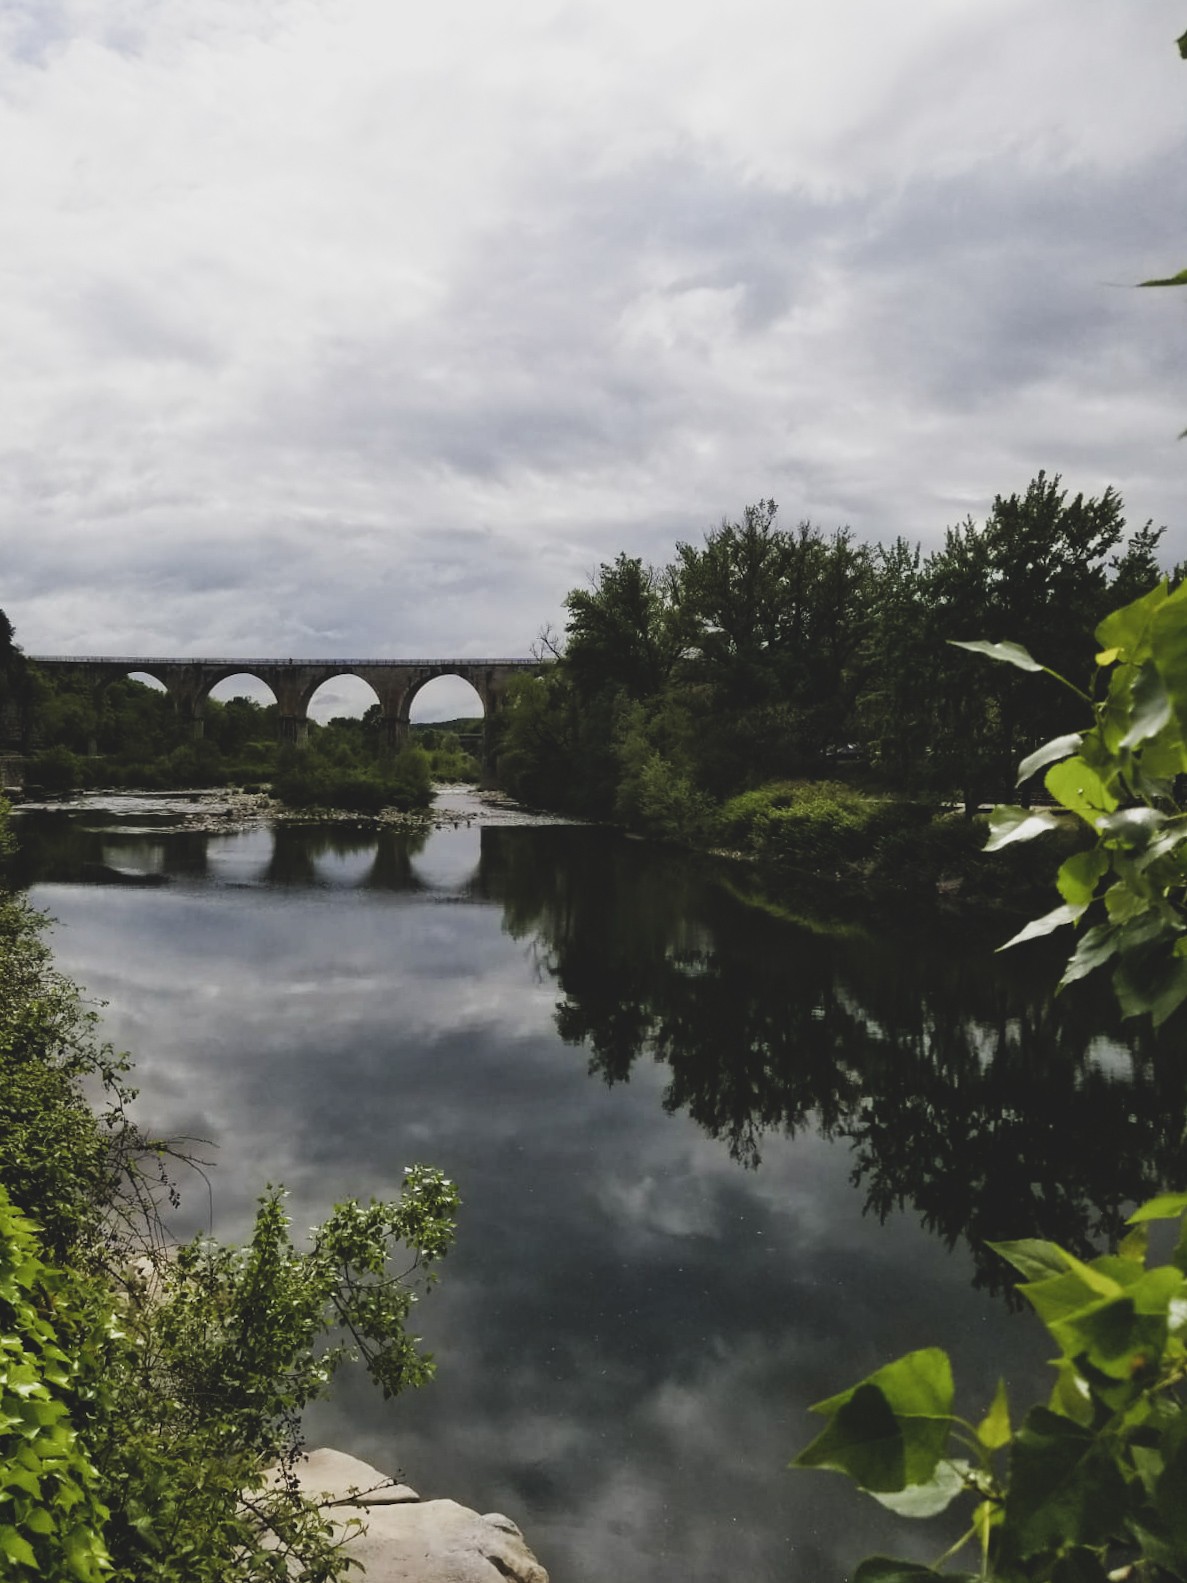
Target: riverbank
{"points": [[226, 809]]}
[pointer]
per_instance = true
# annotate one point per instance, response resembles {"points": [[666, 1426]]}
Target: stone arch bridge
{"points": [[395, 683]]}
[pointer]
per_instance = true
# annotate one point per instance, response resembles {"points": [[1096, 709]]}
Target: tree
{"points": [[1035, 571], [771, 625], [618, 636]]}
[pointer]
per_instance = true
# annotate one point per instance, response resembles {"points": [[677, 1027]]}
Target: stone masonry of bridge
{"points": [[395, 684]]}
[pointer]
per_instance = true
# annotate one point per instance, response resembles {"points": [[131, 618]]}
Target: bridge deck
{"points": [[142, 660]]}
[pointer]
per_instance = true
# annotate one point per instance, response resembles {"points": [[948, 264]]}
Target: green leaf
{"points": [[1168, 644], [881, 1569], [1095, 948], [1126, 631], [863, 1440], [994, 1429], [1132, 828], [16, 1548], [1057, 748], [1008, 824], [1148, 982], [1168, 1500], [1113, 1336], [1079, 788], [1009, 653], [1167, 1206], [1065, 1488], [891, 1429], [1070, 1397], [927, 1500], [1151, 707], [1169, 280], [1135, 1244], [1032, 1257], [1047, 924], [1080, 874]]}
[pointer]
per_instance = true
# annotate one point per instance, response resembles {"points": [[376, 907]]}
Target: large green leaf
{"points": [[1033, 1258], [1080, 874], [863, 1439], [1128, 630], [1114, 1336], [1047, 924], [1094, 949], [1065, 1487], [1150, 982], [1057, 748], [891, 1429], [1169, 280], [1007, 825], [930, 1499], [994, 1429], [1167, 1206], [1151, 706], [1079, 788], [882, 1569], [1009, 653], [1168, 643]]}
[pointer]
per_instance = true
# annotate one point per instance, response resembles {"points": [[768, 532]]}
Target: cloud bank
{"points": [[335, 327]]}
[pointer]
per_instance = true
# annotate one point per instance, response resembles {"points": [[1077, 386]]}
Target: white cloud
{"points": [[349, 327]]}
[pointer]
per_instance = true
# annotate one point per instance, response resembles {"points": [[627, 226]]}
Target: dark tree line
{"points": [[768, 653]]}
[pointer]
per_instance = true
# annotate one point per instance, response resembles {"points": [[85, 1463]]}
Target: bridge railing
{"points": [[142, 662]]}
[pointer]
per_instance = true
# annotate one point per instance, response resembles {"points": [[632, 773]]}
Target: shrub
{"points": [[57, 770], [54, 1324]]}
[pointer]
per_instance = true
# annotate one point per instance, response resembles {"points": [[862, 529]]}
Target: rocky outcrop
{"points": [[413, 1541]]}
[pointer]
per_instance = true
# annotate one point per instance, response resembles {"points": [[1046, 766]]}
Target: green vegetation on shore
{"points": [[793, 696], [150, 1396]]}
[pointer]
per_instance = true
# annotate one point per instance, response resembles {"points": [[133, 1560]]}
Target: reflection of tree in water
{"points": [[966, 1089]]}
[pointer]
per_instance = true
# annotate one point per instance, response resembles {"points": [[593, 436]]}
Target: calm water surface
{"points": [[715, 1164]]}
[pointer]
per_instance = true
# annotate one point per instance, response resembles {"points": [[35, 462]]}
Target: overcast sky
{"points": [[353, 327]]}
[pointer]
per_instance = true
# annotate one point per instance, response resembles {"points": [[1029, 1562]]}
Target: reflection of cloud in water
{"points": [[349, 868], [630, 1328], [450, 859], [240, 859]]}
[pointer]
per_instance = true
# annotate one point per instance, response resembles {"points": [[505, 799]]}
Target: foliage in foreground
{"points": [[1122, 779], [145, 1392], [1094, 1487], [1090, 1486]]}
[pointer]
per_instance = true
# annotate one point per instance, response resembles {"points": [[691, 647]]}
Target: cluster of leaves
{"points": [[767, 654], [198, 1427], [1095, 1486], [150, 1397], [1090, 1486], [53, 1325], [1121, 778]]}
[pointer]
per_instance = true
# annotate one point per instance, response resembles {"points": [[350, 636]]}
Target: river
{"points": [[716, 1163]]}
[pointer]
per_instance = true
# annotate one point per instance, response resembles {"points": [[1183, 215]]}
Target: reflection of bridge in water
{"points": [[456, 865], [293, 683]]}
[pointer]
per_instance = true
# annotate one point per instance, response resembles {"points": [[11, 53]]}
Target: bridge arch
{"points": [[315, 686], [231, 674]]}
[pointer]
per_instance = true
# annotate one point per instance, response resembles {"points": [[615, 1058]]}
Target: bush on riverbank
{"points": [[146, 1390], [883, 848], [307, 780]]}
